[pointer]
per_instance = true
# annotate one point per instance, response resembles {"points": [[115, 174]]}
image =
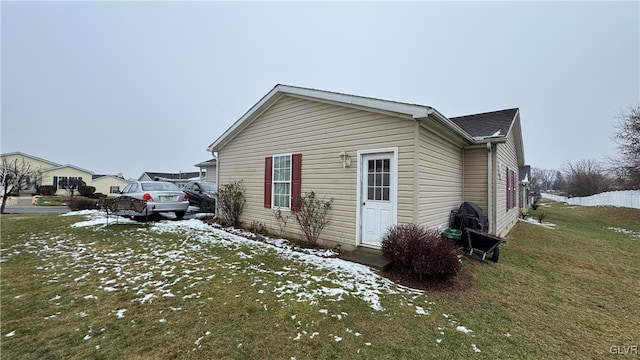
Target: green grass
{"points": [[53, 200], [568, 292]]}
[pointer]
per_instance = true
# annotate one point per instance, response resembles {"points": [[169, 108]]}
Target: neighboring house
{"points": [[109, 184], [383, 162], [179, 179], [33, 163], [52, 176], [50, 173], [208, 170]]}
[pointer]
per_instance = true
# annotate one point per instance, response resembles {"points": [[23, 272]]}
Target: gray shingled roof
{"points": [[486, 124]]}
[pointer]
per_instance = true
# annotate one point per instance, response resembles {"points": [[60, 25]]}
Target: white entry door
{"points": [[377, 197]]}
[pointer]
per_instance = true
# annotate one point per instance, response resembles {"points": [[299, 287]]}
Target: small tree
{"points": [[312, 216], [16, 175], [71, 184], [585, 178], [231, 202]]}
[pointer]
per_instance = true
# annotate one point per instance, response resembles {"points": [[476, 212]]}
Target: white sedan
{"points": [[160, 196]]}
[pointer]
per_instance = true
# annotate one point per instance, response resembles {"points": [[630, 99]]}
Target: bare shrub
{"points": [[282, 220], [541, 216], [82, 203], [421, 252], [231, 201], [313, 216]]}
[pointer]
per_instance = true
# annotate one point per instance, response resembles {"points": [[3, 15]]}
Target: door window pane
{"points": [[379, 179]]}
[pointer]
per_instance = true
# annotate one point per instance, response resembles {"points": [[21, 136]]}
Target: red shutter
{"points": [[268, 173], [514, 186], [508, 189], [296, 180]]}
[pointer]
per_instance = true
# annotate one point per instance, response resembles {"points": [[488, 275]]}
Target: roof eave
{"points": [[446, 122]]}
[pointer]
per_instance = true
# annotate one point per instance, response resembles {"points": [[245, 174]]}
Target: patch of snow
{"points": [[438, 341], [82, 212], [463, 329], [314, 334], [323, 311], [475, 348], [534, 221], [120, 313], [297, 337], [10, 334], [337, 338], [57, 297], [421, 311], [632, 234]]}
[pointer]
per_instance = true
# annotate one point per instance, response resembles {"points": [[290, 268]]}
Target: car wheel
{"points": [[180, 214]]}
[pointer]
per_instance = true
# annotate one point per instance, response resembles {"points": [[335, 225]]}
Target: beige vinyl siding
{"points": [[47, 177], [211, 173], [103, 184], [440, 178], [505, 154], [475, 177], [319, 131], [33, 163]]}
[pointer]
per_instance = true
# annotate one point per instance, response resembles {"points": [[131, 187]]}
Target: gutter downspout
{"points": [[489, 186], [215, 155]]}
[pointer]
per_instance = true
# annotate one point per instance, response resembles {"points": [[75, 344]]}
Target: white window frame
{"points": [[273, 181]]}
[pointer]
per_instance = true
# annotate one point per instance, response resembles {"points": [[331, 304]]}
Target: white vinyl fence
{"points": [[629, 198]]}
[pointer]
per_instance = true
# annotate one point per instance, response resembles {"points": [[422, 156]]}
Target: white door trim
{"points": [[359, 190]]}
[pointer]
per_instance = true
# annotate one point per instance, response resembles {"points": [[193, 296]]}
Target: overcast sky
{"points": [[128, 87]]}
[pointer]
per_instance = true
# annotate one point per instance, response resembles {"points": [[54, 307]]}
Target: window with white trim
{"points": [[114, 189], [282, 181]]}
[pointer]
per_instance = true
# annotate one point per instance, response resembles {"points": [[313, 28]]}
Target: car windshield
{"points": [[209, 187], [159, 186]]}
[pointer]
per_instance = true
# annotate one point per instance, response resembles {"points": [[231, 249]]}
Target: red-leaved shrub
{"points": [[421, 252]]}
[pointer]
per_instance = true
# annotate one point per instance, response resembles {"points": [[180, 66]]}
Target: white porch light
{"points": [[346, 159]]}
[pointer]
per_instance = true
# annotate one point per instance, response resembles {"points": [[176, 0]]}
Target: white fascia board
{"points": [[448, 123]]}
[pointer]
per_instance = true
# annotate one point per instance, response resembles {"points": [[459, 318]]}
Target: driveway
{"points": [[22, 205]]}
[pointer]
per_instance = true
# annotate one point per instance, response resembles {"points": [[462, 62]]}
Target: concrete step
{"points": [[368, 257]]}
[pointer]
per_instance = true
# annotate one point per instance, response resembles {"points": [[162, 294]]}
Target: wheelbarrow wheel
{"points": [[495, 255]]}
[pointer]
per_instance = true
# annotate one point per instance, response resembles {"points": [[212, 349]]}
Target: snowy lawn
{"points": [[186, 289], [73, 287]]}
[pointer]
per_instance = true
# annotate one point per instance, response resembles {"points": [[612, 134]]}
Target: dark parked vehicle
{"points": [[202, 194]]}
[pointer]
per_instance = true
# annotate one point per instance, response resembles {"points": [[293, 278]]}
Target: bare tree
{"points": [[627, 165], [71, 184], [586, 177], [542, 179], [16, 175]]}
